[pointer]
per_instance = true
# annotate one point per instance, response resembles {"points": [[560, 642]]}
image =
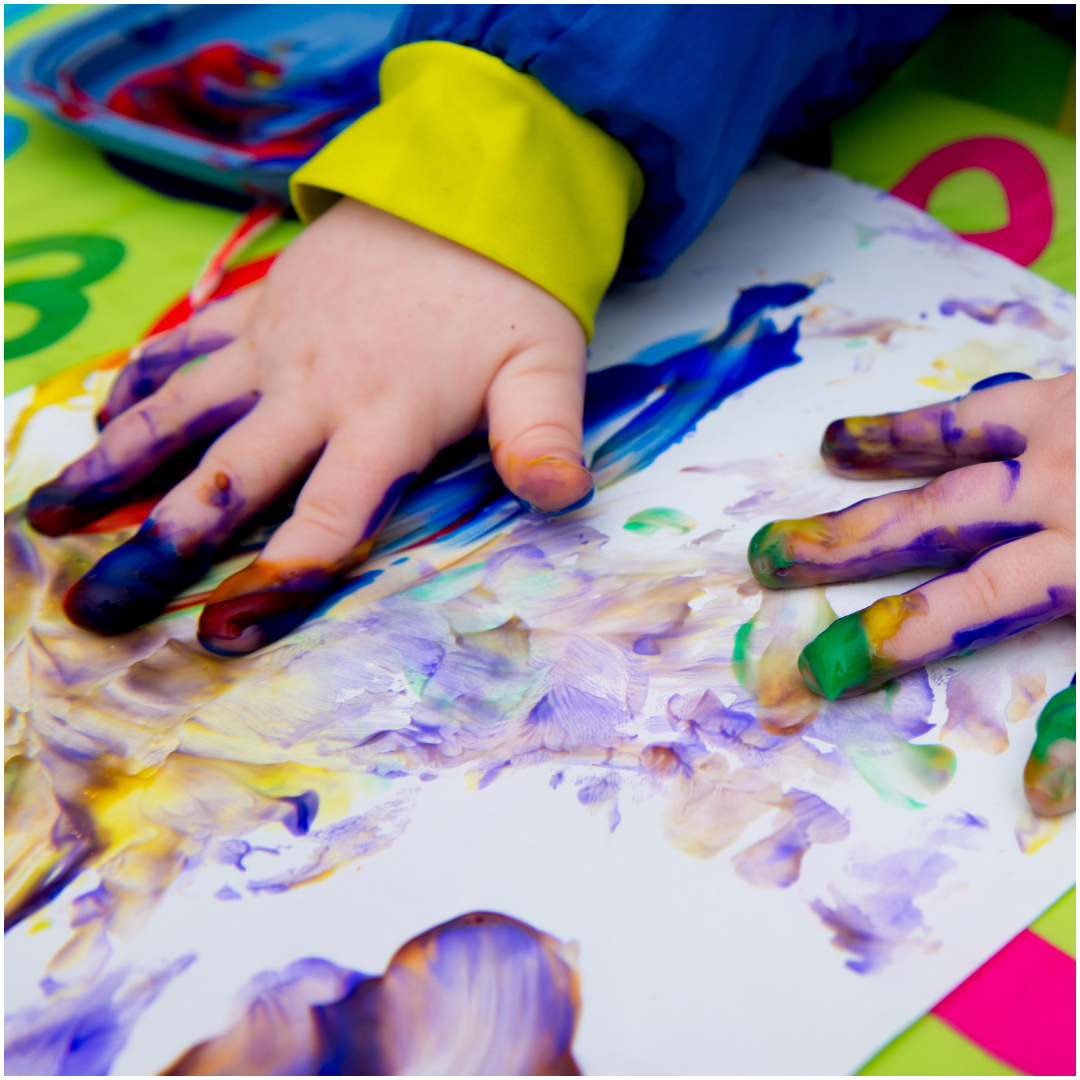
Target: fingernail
{"points": [[772, 559], [848, 659], [260, 604], [543, 485], [1050, 774], [134, 582]]}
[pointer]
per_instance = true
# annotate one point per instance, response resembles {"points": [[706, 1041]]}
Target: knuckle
{"points": [[327, 515], [982, 592], [927, 503]]}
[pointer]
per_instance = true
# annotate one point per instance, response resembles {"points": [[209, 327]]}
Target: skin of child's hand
{"points": [[1000, 516], [371, 345]]}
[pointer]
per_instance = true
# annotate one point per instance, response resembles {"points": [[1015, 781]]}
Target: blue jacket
{"points": [[693, 91]]}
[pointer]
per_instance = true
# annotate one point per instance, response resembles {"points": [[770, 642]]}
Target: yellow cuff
{"points": [[484, 155]]}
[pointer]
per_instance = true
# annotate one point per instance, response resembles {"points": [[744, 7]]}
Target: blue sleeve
{"points": [[693, 91]]}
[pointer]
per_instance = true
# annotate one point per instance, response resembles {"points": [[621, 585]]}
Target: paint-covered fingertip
{"points": [[862, 448], [106, 602], [132, 584], [768, 556], [1050, 785], [809, 675], [50, 511], [549, 485], [532, 509], [260, 604], [1050, 774], [243, 625], [837, 662]]}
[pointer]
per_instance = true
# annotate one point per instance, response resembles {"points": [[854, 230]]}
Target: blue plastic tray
{"points": [[234, 95]]}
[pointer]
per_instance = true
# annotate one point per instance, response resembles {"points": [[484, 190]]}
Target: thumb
{"points": [[534, 407]]}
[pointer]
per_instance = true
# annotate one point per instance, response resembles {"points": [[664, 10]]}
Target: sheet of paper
{"points": [[548, 722]]}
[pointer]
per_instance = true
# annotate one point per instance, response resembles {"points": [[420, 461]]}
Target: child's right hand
{"points": [[371, 345], [1002, 517]]}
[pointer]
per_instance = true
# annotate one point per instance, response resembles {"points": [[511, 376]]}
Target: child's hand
{"points": [[963, 519], [371, 345], [1007, 516]]}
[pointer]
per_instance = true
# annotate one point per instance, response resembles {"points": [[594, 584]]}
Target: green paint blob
{"points": [[1056, 721], [837, 659], [740, 653], [650, 522], [449, 584], [905, 775]]}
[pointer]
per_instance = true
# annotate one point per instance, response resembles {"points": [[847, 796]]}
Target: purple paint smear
{"points": [[887, 919], [480, 995], [82, 1034], [1017, 312], [803, 820]]}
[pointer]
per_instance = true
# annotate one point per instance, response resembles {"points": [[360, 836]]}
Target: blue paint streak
{"points": [[467, 501], [389, 501]]}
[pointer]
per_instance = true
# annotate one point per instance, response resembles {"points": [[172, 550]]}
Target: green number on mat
{"points": [[59, 301]]}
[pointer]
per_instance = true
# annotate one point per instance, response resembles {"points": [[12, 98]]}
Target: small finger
{"points": [[991, 599], [1050, 775], [154, 360], [534, 406], [193, 405], [241, 473], [934, 439], [943, 524], [340, 510]]}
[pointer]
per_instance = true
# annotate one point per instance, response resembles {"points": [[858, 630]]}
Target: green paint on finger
{"points": [[1056, 721], [837, 659], [650, 522], [1050, 775]]}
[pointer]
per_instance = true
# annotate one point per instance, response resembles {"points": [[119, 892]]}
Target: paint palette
{"points": [[233, 95]]}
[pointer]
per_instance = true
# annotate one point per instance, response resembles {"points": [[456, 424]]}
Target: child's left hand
{"points": [[1002, 517]]}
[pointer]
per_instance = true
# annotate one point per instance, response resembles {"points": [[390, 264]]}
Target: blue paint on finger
{"points": [[133, 583], [999, 380]]}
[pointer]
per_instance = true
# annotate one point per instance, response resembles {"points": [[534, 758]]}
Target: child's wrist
{"points": [[484, 155]]}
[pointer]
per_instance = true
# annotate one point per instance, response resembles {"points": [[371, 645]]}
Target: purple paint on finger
{"points": [[1012, 472], [266, 600], [132, 583], [775, 564], [92, 486], [924, 442], [1060, 601], [147, 372]]}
